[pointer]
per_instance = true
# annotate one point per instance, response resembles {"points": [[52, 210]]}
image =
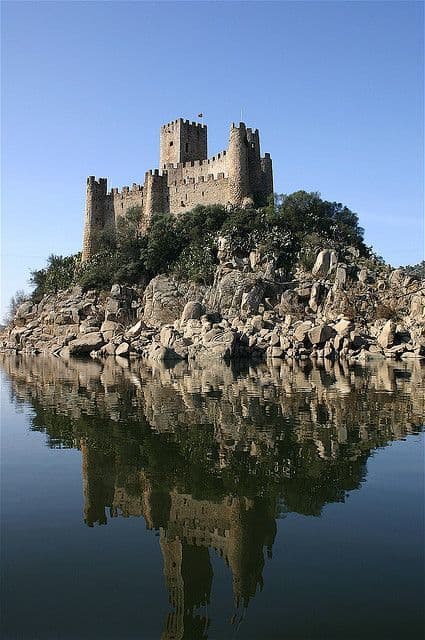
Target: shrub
{"points": [[197, 262], [416, 270], [59, 274]]}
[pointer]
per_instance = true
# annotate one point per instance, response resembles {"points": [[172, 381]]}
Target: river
{"points": [[254, 502]]}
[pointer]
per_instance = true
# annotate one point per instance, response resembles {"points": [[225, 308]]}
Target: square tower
{"points": [[182, 141]]}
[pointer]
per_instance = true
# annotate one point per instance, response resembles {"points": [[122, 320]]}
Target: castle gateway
{"points": [[238, 176]]}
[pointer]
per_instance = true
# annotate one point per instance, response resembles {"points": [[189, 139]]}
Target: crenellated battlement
{"points": [[176, 122], [186, 177], [195, 163], [115, 191], [92, 182], [241, 126]]}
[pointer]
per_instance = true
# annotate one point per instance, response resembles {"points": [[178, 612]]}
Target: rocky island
{"points": [[202, 262]]}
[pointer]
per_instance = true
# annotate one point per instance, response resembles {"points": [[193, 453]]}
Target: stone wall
{"points": [[193, 192], [121, 201]]}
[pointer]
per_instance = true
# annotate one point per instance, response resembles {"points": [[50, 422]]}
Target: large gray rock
{"points": [[217, 344], [227, 294], [192, 311], [387, 335], [85, 344], [251, 299], [397, 277], [341, 275], [135, 330], [175, 343], [315, 293], [321, 333], [326, 262], [123, 349], [301, 330], [163, 301], [344, 326], [108, 329]]}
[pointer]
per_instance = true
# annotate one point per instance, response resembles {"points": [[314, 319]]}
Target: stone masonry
{"points": [[238, 176]]}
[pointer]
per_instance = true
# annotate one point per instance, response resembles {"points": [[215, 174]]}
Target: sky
{"points": [[335, 88]]}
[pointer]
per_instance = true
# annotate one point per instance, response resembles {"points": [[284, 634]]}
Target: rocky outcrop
{"points": [[236, 292], [346, 309], [165, 298]]}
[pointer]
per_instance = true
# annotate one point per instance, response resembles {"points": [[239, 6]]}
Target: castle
{"points": [[238, 176]]}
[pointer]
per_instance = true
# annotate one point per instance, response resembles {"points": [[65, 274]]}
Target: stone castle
{"points": [[238, 176]]}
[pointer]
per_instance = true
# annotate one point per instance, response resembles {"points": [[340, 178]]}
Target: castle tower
{"points": [[182, 141], [98, 472], [95, 217], [156, 200], [254, 164], [267, 174], [188, 575], [238, 166]]}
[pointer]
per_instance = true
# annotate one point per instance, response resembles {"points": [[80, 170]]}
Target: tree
{"points": [[59, 274], [306, 213], [15, 301], [416, 270]]}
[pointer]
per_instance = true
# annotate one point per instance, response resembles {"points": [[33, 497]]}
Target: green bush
{"points": [[59, 274], [197, 262]]}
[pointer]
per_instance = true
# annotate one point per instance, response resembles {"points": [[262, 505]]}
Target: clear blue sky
{"points": [[336, 89]]}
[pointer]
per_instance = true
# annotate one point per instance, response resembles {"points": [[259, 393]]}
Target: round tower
{"points": [[155, 195], [238, 166], [95, 217]]}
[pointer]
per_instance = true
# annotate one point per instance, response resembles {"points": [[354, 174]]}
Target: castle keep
{"points": [[238, 176]]}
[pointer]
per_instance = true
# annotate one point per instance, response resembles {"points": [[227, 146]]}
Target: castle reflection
{"points": [[211, 458]]}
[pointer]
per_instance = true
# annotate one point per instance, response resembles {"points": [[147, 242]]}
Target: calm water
{"points": [[265, 503]]}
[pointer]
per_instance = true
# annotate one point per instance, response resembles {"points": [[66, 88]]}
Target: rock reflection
{"points": [[210, 458]]}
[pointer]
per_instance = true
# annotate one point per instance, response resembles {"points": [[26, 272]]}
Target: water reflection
{"points": [[211, 458]]}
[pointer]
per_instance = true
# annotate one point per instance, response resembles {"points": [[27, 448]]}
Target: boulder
{"points": [[325, 263], [301, 330], [83, 345], [108, 328], [344, 326], [163, 301], [116, 291], [341, 275], [387, 335], [251, 299], [135, 330], [168, 335], [321, 333], [24, 309], [314, 299], [362, 275], [123, 349], [217, 343], [227, 293], [192, 311], [397, 277]]}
